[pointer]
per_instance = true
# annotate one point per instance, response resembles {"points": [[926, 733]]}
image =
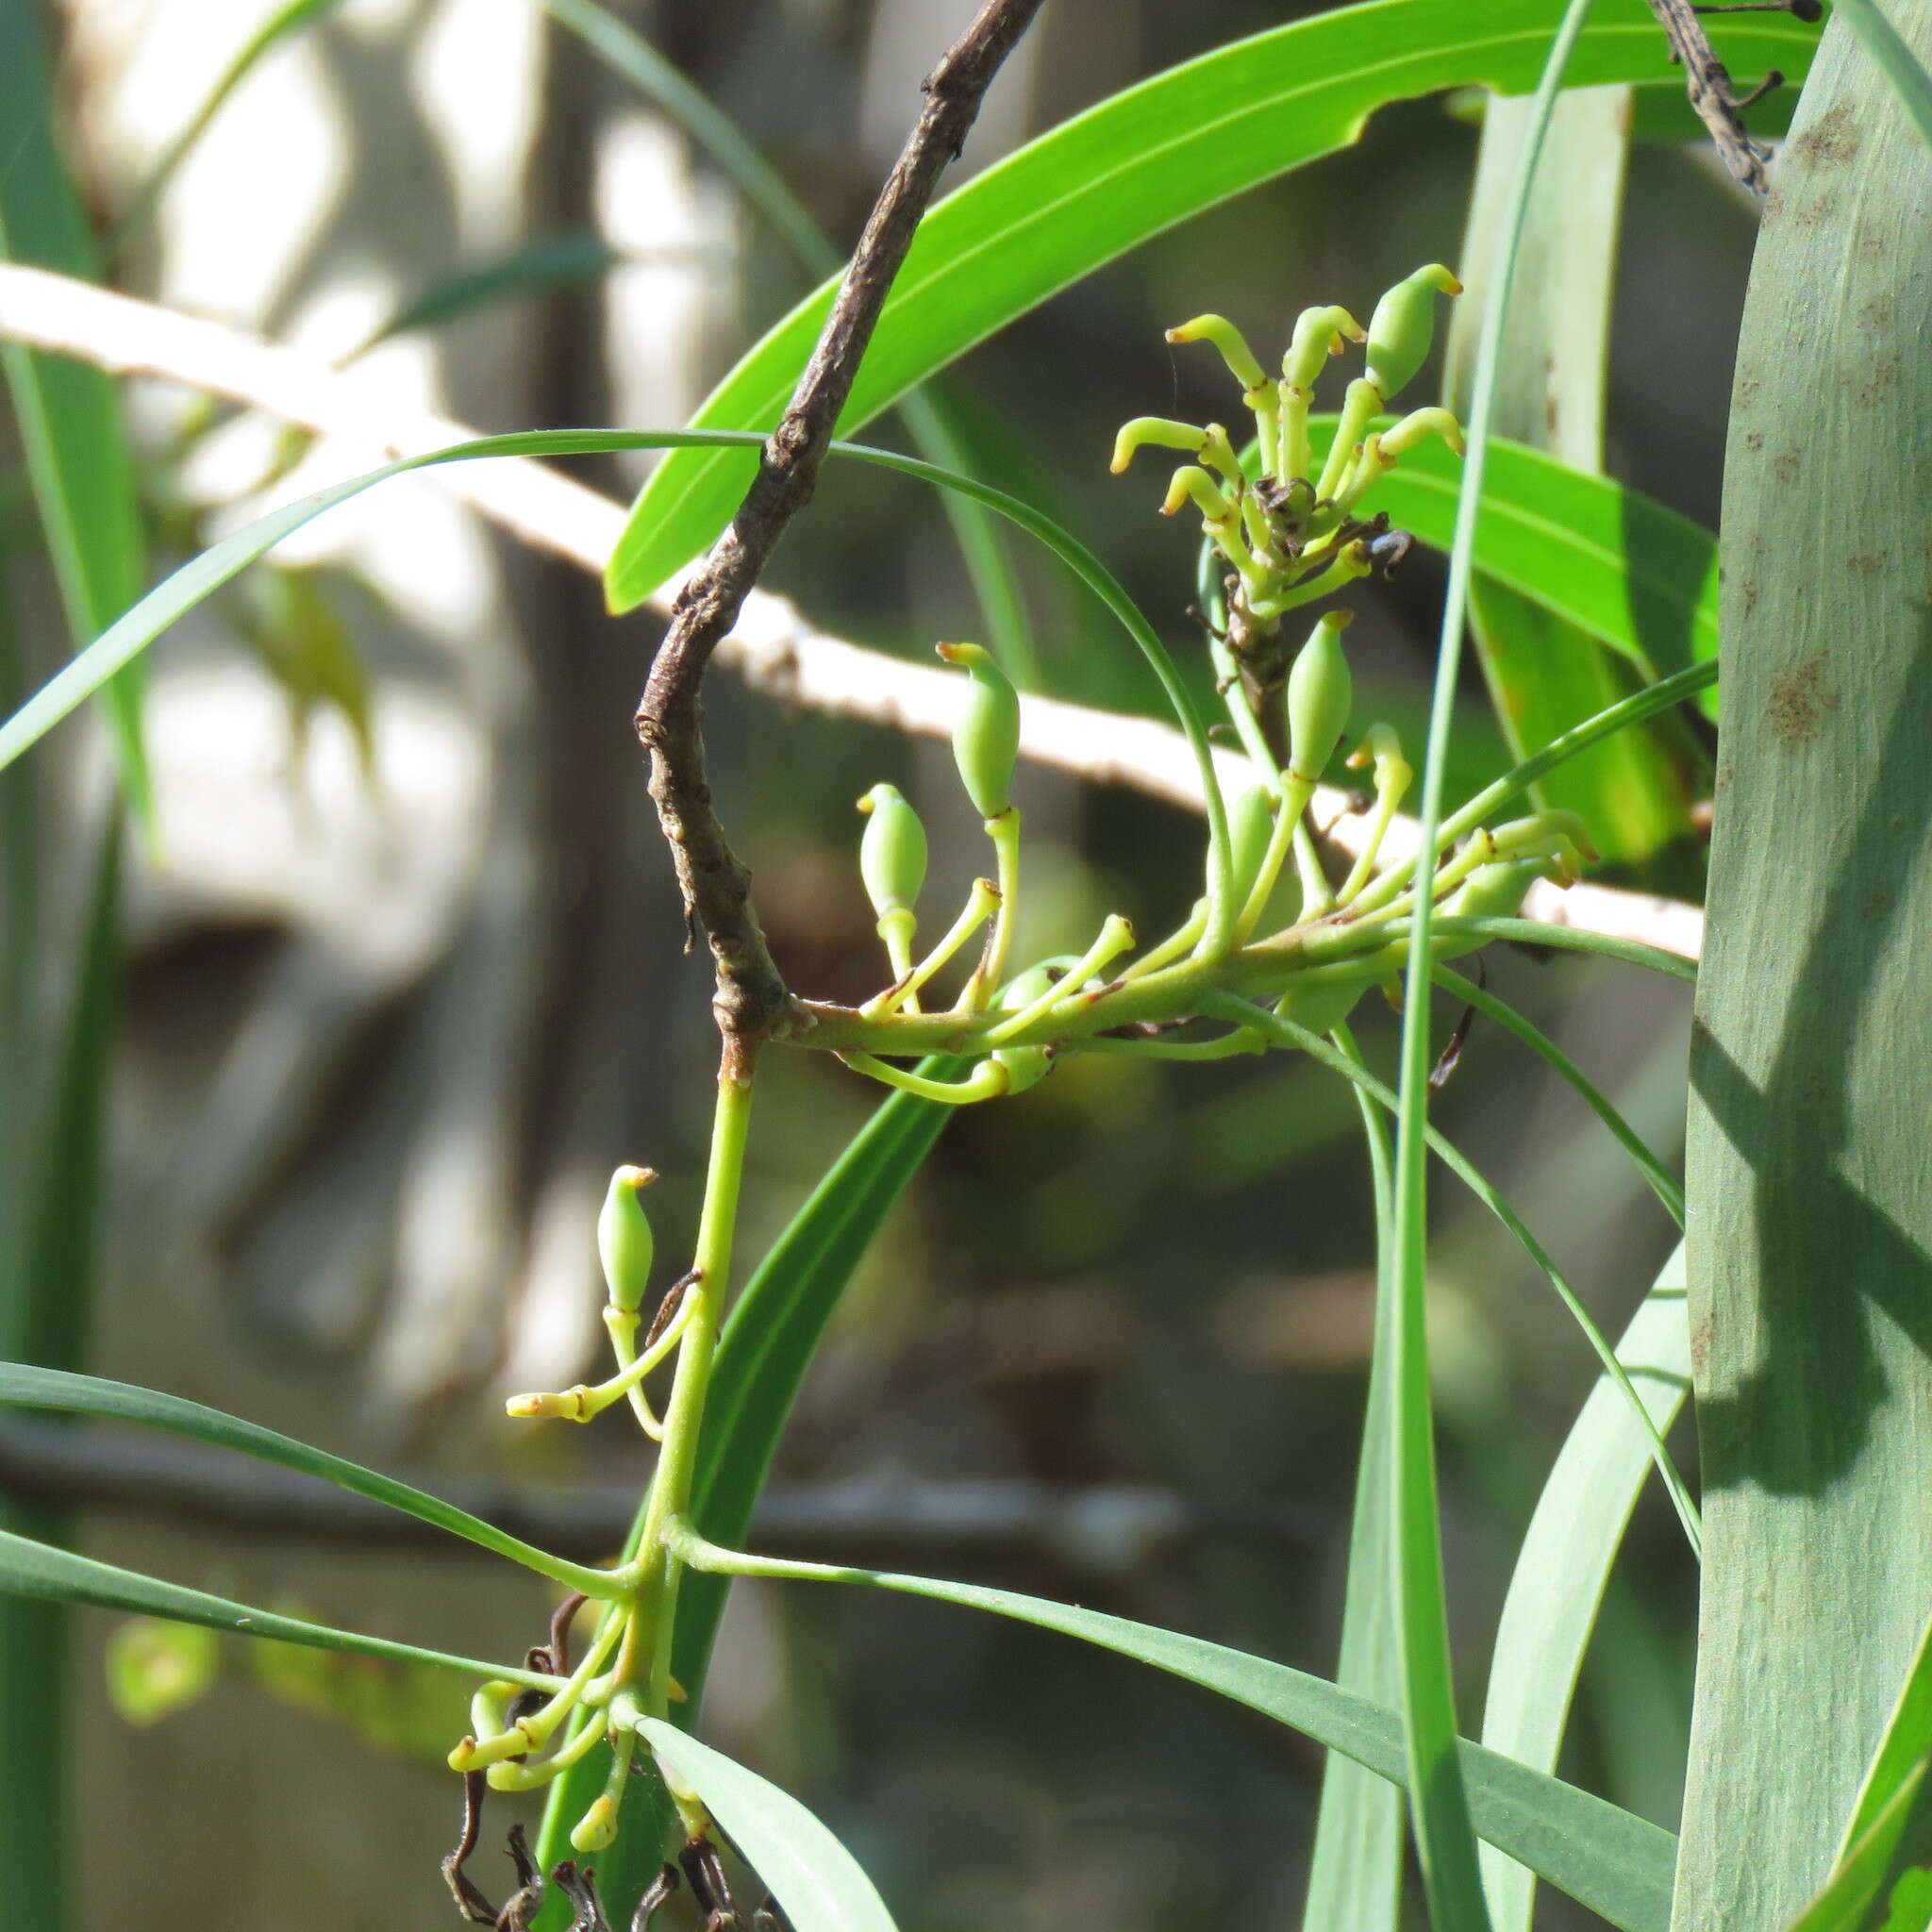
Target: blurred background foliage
{"points": [[403, 981]]}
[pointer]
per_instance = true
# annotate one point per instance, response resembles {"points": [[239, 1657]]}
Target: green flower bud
{"points": [[623, 1238], [986, 740], [1402, 327], [1250, 825], [1320, 694], [891, 853]]}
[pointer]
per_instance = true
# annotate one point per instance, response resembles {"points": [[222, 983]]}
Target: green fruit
{"points": [[986, 740], [1402, 327], [1321, 694], [891, 853], [623, 1238]]}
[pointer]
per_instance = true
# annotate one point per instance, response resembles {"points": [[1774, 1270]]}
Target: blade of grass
{"points": [[278, 25], [69, 425], [46, 1276], [1109, 178], [1355, 1870], [1445, 1841], [931, 420], [41, 1573], [1617, 1865], [1661, 1182], [1564, 1565], [30, 1387]]}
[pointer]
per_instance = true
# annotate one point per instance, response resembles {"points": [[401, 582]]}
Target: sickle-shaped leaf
{"points": [[1618, 1865]]}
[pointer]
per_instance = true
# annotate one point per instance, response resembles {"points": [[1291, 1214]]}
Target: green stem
{"points": [[1004, 833], [655, 1566]]}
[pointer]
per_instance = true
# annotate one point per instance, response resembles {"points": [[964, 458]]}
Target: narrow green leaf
{"points": [[820, 1884], [534, 268], [1285, 1033], [1617, 1865], [1355, 1870], [1910, 81], [1906, 1743], [1660, 1181], [930, 418], [1444, 1838], [1862, 1871], [69, 422], [1096, 186], [43, 1573], [125, 640], [1564, 1565], [51, 1229], [1545, 675], [1889, 1825], [29, 1387], [277, 26], [1809, 1248], [629, 55]]}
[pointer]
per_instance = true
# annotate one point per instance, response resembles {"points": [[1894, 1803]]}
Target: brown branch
{"points": [[752, 1002], [1707, 81], [1104, 1529]]}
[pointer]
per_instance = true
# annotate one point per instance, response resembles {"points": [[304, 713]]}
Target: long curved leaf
{"points": [[1659, 1178], [54, 1388], [129, 635], [1566, 1557], [76, 449], [1618, 1865], [42, 1573], [1355, 1867], [820, 1884], [1444, 1835], [1099, 184]]}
